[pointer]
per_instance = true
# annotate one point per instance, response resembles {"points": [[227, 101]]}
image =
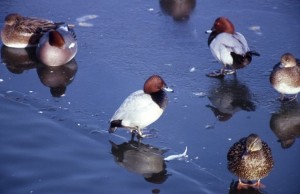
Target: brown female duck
{"points": [[250, 159]]}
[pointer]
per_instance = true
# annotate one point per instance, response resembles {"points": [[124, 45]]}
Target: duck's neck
{"points": [[160, 98]]}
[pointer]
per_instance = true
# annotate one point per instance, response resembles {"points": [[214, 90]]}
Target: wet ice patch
{"points": [[82, 21], [256, 29], [192, 69], [199, 94]]}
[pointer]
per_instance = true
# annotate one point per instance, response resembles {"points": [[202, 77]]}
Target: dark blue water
{"points": [[61, 145]]}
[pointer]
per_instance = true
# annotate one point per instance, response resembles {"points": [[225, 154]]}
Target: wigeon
{"points": [[22, 32], [249, 159], [57, 47], [141, 108], [229, 47], [285, 77]]}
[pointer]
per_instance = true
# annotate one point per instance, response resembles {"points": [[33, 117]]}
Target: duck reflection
{"points": [[286, 123], [180, 10], [229, 97], [141, 159], [57, 78], [17, 60], [248, 190]]}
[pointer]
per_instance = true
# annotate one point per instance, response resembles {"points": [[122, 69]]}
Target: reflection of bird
{"points": [[179, 9], [18, 59], [250, 159], [228, 47], [57, 47], [229, 97], [285, 77], [286, 124], [21, 32], [142, 159], [57, 78], [249, 190], [141, 108]]}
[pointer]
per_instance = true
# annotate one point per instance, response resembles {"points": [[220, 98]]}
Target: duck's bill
{"points": [[167, 89], [208, 31]]}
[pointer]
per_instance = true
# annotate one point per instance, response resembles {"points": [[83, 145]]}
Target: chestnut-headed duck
{"points": [[141, 108], [57, 47], [21, 32], [285, 77], [229, 47], [249, 159]]}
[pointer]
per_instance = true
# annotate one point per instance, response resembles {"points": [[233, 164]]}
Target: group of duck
{"points": [[55, 42], [249, 159]]}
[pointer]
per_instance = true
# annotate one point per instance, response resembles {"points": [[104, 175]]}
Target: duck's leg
{"points": [[228, 70], [289, 99], [216, 74], [282, 97], [139, 132], [293, 98], [132, 135]]}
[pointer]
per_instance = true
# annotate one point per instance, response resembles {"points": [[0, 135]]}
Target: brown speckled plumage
{"points": [[250, 165], [285, 77], [21, 32]]}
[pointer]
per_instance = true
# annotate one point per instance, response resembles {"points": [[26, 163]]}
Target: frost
{"points": [[151, 9], [192, 69], [82, 20], [200, 94]]}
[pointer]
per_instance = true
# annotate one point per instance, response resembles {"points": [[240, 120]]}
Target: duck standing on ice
{"points": [[229, 47], [141, 108], [285, 77]]}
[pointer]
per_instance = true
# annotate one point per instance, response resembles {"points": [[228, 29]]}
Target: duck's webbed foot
{"points": [[258, 185], [222, 72], [229, 71], [216, 74]]}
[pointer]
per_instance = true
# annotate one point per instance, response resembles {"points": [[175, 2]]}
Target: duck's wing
{"points": [[231, 42], [133, 103], [35, 25]]}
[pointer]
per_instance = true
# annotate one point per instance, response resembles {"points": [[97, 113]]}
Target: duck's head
{"points": [[12, 19], [222, 24], [253, 143], [154, 84], [288, 60]]}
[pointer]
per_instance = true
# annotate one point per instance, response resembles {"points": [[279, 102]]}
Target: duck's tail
{"points": [[253, 53], [113, 125]]}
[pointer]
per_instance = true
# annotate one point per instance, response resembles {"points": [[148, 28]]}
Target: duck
{"points": [[21, 32], [250, 158], [57, 47], [229, 47], [285, 77], [142, 107], [180, 10]]}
